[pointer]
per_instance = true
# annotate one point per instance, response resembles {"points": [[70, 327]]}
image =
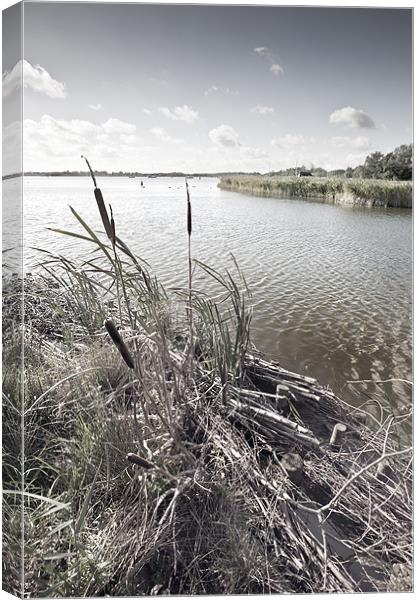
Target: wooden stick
{"points": [[337, 436], [293, 465]]}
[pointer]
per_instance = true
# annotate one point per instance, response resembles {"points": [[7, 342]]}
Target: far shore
{"points": [[120, 174], [352, 192]]}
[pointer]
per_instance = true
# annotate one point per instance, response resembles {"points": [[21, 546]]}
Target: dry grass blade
{"points": [[139, 460]]}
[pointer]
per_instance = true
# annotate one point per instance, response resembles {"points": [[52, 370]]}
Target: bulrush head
{"points": [[119, 342], [100, 203], [189, 224], [113, 229], [139, 460]]}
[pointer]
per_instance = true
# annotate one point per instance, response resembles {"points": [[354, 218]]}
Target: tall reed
{"points": [[101, 204], [367, 192], [189, 232], [109, 225]]}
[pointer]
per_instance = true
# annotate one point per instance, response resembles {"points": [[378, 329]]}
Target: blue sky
{"points": [[207, 88]]}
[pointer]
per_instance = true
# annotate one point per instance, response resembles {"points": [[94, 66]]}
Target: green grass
{"points": [[368, 192]]}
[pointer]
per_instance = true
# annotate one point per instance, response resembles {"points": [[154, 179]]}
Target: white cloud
{"points": [[261, 50], [224, 135], [260, 109], [271, 57], [276, 69], [211, 90], [115, 126], [351, 117], [180, 113], [57, 143], [162, 134], [35, 78], [214, 89], [147, 111], [95, 106]]}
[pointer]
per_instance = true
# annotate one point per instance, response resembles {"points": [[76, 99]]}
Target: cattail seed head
{"points": [[139, 460], [146, 280], [100, 203], [103, 213], [189, 220], [119, 342], [113, 230]]}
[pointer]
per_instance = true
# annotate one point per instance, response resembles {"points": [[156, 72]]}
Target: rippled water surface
{"points": [[331, 285]]}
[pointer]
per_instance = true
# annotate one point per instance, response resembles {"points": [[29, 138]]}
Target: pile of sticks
{"points": [[331, 485]]}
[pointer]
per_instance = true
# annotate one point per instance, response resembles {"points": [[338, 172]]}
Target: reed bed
{"points": [[162, 457], [363, 192]]}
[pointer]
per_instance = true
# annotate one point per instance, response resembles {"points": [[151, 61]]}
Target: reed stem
{"points": [[113, 240], [189, 309]]}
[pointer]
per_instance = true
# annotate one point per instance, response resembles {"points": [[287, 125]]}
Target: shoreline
{"points": [[344, 192]]}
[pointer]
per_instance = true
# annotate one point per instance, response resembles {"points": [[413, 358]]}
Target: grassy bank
{"points": [[164, 454], [362, 192]]}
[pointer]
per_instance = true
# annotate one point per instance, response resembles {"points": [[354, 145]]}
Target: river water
{"points": [[331, 285]]}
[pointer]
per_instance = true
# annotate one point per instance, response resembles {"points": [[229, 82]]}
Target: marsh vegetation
{"points": [[363, 192]]}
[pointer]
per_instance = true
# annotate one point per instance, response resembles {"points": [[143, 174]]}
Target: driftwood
{"points": [[298, 425], [293, 465], [337, 436]]}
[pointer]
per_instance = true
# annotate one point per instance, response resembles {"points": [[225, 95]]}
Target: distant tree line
{"points": [[123, 174], [396, 165]]}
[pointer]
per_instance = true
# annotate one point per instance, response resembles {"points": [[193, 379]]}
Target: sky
{"points": [[208, 88]]}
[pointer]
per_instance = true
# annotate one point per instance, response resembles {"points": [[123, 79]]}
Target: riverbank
{"points": [[153, 466], [164, 454], [352, 192]]}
